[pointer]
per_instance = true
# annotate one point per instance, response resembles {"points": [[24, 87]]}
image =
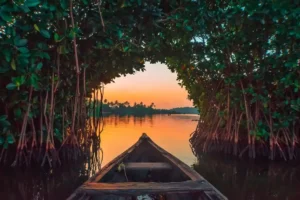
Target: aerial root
{"points": [[70, 148], [3, 155], [20, 155], [51, 155]]}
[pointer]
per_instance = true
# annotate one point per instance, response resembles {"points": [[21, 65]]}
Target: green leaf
{"points": [[32, 3], [46, 55], [34, 80], [72, 34], [20, 42], [42, 46], [291, 64], [120, 34], [18, 81], [3, 117], [188, 28], [56, 37], [7, 54], [52, 8], [25, 8], [109, 41], [23, 50], [6, 16], [125, 49], [45, 33], [64, 4], [22, 80], [10, 139], [13, 64], [11, 86], [36, 27], [30, 115], [39, 66], [17, 112], [3, 121]]}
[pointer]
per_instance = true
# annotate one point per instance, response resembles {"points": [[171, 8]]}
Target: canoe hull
{"points": [[147, 169]]}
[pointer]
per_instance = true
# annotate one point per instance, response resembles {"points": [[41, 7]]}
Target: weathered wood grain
{"points": [[138, 153], [187, 170], [147, 165], [139, 188]]}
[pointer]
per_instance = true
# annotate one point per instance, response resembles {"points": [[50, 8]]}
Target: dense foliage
{"points": [[241, 67], [186, 110], [239, 61], [55, 54]]}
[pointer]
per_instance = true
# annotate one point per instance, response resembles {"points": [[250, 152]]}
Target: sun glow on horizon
{"points": [[157, 84]]}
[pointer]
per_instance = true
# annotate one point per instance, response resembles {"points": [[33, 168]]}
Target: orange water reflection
{"points": [[171, 132]]}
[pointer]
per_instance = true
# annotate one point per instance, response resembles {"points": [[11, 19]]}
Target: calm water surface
{"points": [[171, 132], [238, 180]]}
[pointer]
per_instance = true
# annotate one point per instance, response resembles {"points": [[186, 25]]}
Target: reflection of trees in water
{"points": [[140, 120], [36, 184], [47, 184], [117, 120], [244, 180]]}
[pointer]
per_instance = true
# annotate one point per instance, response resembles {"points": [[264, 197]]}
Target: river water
{"points": [[238, 180]]}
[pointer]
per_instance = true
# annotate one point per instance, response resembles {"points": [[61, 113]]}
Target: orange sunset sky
{"points": [[157, 84]]}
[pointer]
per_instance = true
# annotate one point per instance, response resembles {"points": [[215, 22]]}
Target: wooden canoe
{"points": [[146, 171]]}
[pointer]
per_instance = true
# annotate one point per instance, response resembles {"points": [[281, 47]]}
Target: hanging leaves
{"points": [[13, 64], [45, 33], [4, 122], [32, 3], [36, 27], [20, 42]]}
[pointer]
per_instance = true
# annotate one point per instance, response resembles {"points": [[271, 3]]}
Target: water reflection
{"points": [[46, 184], [121, 120], [171, 132], [120, 132], [245, 180], [37, 184], [239, 180]]}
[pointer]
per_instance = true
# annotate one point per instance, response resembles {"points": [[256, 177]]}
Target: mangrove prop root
{"points": [[51, 155], [235, 134], [22, 144]]}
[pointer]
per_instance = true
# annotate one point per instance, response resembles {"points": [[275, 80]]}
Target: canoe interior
{"points": [[144, 153], [146, 172]]}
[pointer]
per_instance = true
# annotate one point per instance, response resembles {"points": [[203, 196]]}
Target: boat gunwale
{"points": [[195, 176], [184, 168], [97, 176]]}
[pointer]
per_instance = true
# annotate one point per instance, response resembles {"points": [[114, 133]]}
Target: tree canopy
{"points": [[239, 61], [55, 54], [241, 68]]}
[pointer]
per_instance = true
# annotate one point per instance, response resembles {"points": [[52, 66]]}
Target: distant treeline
{"points": [[125, 108], [186, 110]]}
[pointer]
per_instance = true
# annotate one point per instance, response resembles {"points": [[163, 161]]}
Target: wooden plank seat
{"points": [[139, 188], [147, 166]]}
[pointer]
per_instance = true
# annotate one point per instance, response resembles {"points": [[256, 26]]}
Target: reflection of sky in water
{"points": [[171, 132], [237, 179]]}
